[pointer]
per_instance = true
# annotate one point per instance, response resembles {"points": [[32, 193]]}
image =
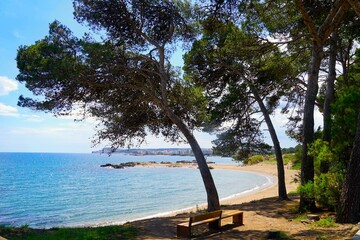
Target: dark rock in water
{"points": [[120, 166], [165, 162], [184, 161]]}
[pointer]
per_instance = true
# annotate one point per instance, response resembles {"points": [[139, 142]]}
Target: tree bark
{"points": [[349, 207], [355, 4], [330, 88], [212, 194], [307, 164], [282, 193]]}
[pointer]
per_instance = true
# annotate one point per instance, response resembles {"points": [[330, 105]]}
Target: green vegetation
{"points": [[327, 222], [254, 159], [300, 217], [87, 233], [288, 158]]}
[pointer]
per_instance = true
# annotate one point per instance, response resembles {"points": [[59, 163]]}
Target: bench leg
{"points": [[216, 225], [183, 231], [238, 218]]}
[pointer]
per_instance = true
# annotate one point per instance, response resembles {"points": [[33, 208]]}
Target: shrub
{"points": [[254, 159], [327, 222], [307, 190], [327, 189]]}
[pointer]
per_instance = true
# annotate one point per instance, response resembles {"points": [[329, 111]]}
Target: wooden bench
{"points": [[237, 216], [184, 229]]}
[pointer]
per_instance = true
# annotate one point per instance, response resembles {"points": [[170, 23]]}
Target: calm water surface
{"points": [[47, 189]]}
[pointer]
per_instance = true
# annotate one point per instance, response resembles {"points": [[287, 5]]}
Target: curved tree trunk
{"points": [[349, 207], [279, 160], [307, 164], [212, 194]]}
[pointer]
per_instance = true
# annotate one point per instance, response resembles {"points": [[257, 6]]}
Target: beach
{"points": [[262, 212]]}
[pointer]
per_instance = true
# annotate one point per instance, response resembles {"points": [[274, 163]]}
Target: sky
{"points": [[22, 22]]}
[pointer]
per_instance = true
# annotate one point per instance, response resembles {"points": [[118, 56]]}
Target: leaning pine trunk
{"points": [[279, 159], [212, 194], [349, 207]]}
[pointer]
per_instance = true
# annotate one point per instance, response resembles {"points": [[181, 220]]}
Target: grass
{"points": [[327, 222], [86, 233], [300, 217]]}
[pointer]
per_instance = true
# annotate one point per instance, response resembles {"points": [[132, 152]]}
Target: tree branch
{"points": [[309, 23], [355, 4]]}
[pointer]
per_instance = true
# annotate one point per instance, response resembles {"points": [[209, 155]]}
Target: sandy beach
{"points": [[262, 212]]}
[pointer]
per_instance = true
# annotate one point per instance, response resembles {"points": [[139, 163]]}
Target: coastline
{"points": [[257, 207], [267, 169], [269, 189], [228, 200]]}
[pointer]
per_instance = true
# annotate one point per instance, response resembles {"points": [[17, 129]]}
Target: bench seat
{"points": [[184, 229]]}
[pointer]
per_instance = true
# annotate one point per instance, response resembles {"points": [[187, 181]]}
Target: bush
{"points": [[325, 223], [327, 189], [254, 159], [307, 190], [296, 164]]}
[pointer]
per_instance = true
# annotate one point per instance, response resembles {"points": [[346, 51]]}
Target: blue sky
{"points": [[22, 22]]}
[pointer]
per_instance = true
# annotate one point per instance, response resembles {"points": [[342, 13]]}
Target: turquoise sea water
{"points": [[48, 189]]}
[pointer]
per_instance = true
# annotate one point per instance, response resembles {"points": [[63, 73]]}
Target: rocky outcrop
{"points": [[121, 165]]}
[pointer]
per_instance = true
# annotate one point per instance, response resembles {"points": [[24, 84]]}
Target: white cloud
{"points": [[8, 111], [17, 35], [7, 85], [33, 118]]}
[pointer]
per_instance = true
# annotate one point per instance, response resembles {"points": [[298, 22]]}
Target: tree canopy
{"points": [[125, 80]]}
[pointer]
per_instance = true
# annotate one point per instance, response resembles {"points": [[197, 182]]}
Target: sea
{"points": [[45, 190]]}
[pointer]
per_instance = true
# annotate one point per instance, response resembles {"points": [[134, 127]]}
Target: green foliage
{"points": [[345, 110], [125, 81], [300, 217], [323, 156], [254, 159], [297, 158], [96, 233], [328, 174], [307, 190], [234, 67], [327, 222], [288, 158], [327, 189]]}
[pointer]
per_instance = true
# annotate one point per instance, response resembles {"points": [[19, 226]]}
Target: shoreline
{"points": [[268, 189]]}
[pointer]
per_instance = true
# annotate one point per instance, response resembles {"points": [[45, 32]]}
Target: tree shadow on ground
{"points": [[271, 207], [271, 210]]}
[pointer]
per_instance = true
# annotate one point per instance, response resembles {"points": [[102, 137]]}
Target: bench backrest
{"points": [[205, 216]]}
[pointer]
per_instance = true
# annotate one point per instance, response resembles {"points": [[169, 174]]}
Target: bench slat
{"points": [[205, 221]]}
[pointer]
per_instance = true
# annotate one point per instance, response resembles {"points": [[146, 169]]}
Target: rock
{"points": [[121, 165], [313, 217]]}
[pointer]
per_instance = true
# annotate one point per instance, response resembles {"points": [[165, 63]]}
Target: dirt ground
{"points": [[260, 217], [263, 213]]}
